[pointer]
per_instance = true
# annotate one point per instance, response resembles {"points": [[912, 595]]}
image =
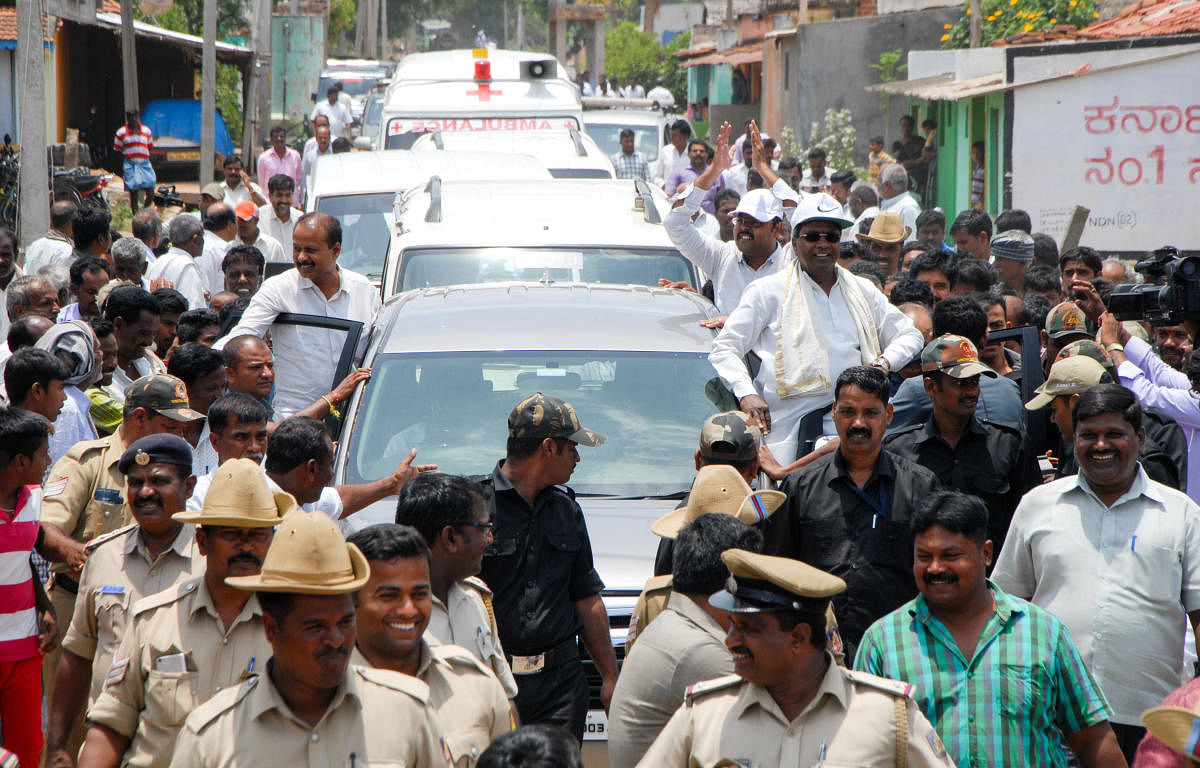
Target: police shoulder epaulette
{"points": [[457, 656], [655, 583], [166, 597], [892, 687], [479, 584], [394, 680], [92, 545], [893, 434], [222, 701], [708, 686], [1003, 426], [83, 446]]}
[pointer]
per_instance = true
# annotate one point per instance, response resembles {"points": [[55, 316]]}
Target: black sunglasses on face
{"points": [[814, 237]]}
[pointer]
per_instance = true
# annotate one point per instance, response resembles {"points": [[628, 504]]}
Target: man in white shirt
{"points": [[635, 91], [339, 117], [278, 219], [220, 229], [893, 188], [820, 317], [56, 247], [816, 178], [306, 357], [754, 251], [660, 94], [178, 266], [237, 185], [1115, 556], [863, 203], [672, 154], [134, 315], [322, 145], [250, 234]]}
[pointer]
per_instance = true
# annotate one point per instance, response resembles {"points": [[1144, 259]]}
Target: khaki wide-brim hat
{"points": [[308, 556], [887, 227], [1177, 727], [720, 489], [239, 497]]}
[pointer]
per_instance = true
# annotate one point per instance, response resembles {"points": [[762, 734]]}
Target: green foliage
{"points": [[835, 135], [342, 17], [890, 65], [229, 99], [122, 213], [1003, 18], [630, 52]]}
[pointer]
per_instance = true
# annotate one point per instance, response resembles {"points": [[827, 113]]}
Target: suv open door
{"points": [[346, 360]]}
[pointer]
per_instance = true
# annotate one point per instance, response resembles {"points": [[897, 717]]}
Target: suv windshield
{"points": [[426, 267], [453, 408], [645, 138], [353, 83], [366, 229]]}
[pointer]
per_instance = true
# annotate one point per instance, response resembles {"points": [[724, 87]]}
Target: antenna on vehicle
{"points": [[644, 200], [575, 137], [437, 140], [397, 207], [434, 188]]}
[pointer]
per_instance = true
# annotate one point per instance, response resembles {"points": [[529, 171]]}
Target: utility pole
{"points": [[34, 210], [208, 93], [129, 58], [976, 25], [384, 50], [521, 26], [258, 96]]}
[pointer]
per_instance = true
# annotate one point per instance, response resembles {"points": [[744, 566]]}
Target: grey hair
{"points": [[894, 175], [183, 228], [129, 248], [19, 293], [59, 278], [865, 193], [1131, 276]]}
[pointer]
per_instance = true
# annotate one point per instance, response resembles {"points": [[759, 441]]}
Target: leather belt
{"points": [[65, 583], [567, 650]]}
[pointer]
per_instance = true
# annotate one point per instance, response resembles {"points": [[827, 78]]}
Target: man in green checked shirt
{"points": [[999, 678]]}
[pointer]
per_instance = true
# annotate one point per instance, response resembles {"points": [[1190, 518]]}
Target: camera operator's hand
{"points": [[1087, 299]]}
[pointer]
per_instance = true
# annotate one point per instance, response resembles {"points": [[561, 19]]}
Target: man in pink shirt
{"points": [[28, 628], [280, 158]]}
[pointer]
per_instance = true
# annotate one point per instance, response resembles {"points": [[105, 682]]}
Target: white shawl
{"points": [[801, 357]]}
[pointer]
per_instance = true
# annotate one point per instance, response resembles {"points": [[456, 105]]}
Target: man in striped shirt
{"points": [[999, 678], [27, 624], [134, 141]]}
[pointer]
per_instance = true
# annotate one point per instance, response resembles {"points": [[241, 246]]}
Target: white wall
{"points": [[1124, 143], [8, 97], [896, 6]]}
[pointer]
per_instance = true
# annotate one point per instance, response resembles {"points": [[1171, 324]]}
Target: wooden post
{"points": [[976, 25], [208, 93], [1075, 228], [129, 58], [34, 210]]}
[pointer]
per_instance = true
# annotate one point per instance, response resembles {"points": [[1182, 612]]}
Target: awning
{"points": [[942, 87], [226, 52], [741, 54]]}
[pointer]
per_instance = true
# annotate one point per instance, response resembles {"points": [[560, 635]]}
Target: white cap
{"points": [[820, 207], [760, 205]]}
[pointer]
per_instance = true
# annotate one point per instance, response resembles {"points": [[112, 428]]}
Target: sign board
{"points": [[1124, 143]]}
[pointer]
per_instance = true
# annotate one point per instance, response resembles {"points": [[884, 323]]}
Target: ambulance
{"points": [[477, 90]]}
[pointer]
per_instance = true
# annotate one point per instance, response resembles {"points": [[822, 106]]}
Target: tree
{"points": [[1004, 18], [630, 52]]}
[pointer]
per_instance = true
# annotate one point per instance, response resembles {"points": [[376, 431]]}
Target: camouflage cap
{"points": [[954, 356], [1067, 377], [1088, 348], [729, 436], [544, 416], [1067, 319], [163, 394]]}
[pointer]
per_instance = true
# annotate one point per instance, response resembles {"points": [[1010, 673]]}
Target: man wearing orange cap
{"points": [[188, 642], [250, 234]]}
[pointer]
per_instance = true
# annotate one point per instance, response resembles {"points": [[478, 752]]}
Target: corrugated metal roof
{"points": [[227, 52], [942, 87]]}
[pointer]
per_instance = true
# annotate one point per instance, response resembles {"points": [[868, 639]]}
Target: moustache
{"points": [[858, 432], [940, 578], [245, 558], [334, 651]]}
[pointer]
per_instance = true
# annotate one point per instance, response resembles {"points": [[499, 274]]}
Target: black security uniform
{"points": [[859, 534], [538, 565], [992, 461]]}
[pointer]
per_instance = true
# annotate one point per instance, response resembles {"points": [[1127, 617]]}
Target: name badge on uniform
{"points": [[483, 640], [108, 496], [112, 589]]}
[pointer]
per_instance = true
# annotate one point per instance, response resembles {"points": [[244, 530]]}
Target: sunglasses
{"points": [[816, 237], [747, 221]]}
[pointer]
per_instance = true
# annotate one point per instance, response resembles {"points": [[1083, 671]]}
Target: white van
{"points": [[566, 153], [562, 230], [477, 90], [359, 189]]}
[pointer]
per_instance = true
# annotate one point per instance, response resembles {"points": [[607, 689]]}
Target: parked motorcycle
{"points": [[82, 188]]}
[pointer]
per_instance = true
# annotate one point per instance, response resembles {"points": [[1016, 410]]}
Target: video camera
{"points": [[1170, 295]]}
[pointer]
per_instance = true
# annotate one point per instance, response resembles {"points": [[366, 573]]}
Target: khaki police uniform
{"points": [[377, 718], [468, 700], [467, 620], [175, 655], [855, 719], [118, 573], [649, 604]]}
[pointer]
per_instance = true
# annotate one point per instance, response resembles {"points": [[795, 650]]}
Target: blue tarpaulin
{"points": [[180, 118]]}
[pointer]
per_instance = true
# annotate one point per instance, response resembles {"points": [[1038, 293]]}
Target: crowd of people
{"points": [[888, 556]]}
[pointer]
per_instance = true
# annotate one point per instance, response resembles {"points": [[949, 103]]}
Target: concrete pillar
{"points": [[34, 210], [208, 92]]}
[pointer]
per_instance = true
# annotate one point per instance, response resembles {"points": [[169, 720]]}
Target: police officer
{"points": [[85, 490], [451, 515], [789, 705], [192, 640], [124, 566], [309, 706], [991, 460], [392, 613], [547, 591]]}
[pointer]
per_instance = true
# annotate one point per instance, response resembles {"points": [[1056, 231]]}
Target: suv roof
{"points": [[567, 153], [492, 316]]}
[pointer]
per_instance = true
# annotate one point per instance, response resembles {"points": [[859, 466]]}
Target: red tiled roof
{"points": [[8, 25], [110, 6], [694, 52], [1145, 18]]}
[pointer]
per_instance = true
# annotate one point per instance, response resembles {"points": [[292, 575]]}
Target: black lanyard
{"points": [[880, 507]]}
